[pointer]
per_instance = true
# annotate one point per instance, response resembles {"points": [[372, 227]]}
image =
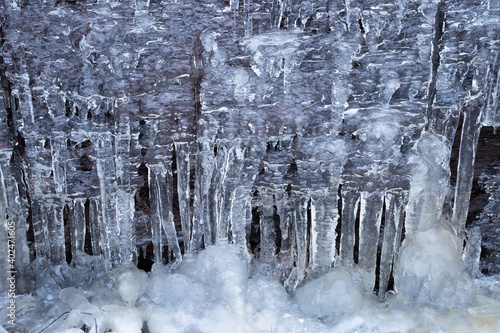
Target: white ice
{"points": [[216, 291]]}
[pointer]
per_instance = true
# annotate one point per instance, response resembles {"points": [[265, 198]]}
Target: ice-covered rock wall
{"points": [[312, 133]]}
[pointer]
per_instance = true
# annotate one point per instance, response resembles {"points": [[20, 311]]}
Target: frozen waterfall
{"points": [[249, 166]]}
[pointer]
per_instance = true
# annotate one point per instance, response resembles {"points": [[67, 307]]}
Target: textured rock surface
{"points": [[156, 128]]}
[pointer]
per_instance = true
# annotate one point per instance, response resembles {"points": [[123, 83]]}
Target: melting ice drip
{"points": [[308, 156]]}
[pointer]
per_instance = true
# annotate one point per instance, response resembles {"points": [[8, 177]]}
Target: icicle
{"points": [[124, 199], [227, 177], [350, 202], [40, 229], [124, 206], [58, 148], [324, 214], [221, 194], [300, 239], [198, 221], [285, 213], [55, 223], [77, 227], [394, 202], [13, 215], [267, 231], [203, 199], [110, 230], [240, 209], [183, 188], [95, 221], [467, 156], [369, 228], [161, 196], [37, 174], [156, 214]]}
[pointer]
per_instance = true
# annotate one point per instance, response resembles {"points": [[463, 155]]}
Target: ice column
{"points": [[124, 200], [117, 242], [77, 226], [95, 223], [203, 201], [183, 190], [13, 213], [393, 226], [53, 219], [300, 238], [58, 149], [267, 230], [467, 156], [369, 228], [480, 108], [241, 215], [37, 173], [429, 266], [350, 203], [162, 219], [324, 215]]}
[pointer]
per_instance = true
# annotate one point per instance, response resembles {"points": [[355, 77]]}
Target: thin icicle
{"points": [[55, 224], [124, 199], [240, 208], [58, 151], [267, 230], [183, 188], [110, 230], [299, 223], [156, 212], [221, 194], [369, 228], [324, 212], [394, 202], [77, 227], [161, 195], [95, 222], [467, 156], [203, 200], [350, 202]]}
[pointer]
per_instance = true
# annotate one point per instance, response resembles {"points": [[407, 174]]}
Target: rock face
{"points": [[136, 128]]}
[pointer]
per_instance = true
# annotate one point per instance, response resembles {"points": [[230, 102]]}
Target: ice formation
{"points": [[285, 165]]}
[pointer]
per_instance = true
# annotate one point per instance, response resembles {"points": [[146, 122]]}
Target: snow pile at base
{"points": [[216, 291]]}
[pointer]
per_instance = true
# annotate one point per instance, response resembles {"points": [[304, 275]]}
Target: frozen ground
{"points": [[220, 291]]}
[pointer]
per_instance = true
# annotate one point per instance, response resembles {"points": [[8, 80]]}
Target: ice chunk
{"points": [[123, 319], [430, 269], [161, 321], [72, 296], [333, 294], [225, 269], [176, 291]]}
